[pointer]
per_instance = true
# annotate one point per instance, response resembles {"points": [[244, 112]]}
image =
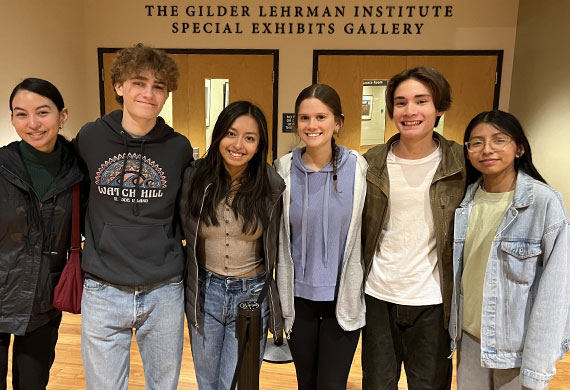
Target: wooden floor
{"points": [[67, 371]]}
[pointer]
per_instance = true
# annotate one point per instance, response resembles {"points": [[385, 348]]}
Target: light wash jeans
{"points": [[214, 344], [109, 315]]}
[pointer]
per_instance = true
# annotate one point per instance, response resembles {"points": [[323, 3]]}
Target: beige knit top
{"points": [[225, 249]]}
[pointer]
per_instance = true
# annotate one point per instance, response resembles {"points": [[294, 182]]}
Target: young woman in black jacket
{"points": [[230, 208], [36, 179]]}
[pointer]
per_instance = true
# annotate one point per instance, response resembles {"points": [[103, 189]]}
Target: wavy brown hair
{"points": [[132, 61]]}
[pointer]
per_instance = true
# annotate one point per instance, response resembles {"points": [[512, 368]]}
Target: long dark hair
{"points": [[508, 124], [329, 97], [249, 200], [41, 87]]}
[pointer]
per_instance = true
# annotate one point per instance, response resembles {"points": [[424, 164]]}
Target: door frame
{"points": [[272, 52], [405, 53]]}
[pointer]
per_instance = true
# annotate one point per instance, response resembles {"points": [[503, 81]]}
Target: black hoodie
{"points": [[132, 231]]}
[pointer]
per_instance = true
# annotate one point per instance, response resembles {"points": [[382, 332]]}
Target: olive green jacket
{"points": [[446, 192]]}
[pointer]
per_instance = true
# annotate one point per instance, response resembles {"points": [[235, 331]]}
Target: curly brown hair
{"points": [[132, 61]]}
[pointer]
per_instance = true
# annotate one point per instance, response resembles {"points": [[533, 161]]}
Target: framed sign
{"points": [[367, 107]]}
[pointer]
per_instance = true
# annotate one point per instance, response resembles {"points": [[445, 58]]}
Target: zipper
{"points": [[288, 230], [196, 258], [270, 300]]}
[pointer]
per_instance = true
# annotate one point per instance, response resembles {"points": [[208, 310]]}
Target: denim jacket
{"points": [[525, 317]]}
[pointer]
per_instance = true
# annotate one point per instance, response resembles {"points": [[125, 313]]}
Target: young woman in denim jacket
{"points": [[511, 300], [230, 208]]}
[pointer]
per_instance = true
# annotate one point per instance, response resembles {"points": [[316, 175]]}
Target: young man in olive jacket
{"points": [[415, 182]]}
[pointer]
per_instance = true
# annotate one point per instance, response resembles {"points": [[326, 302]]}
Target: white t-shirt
{"points": [[404, 269]]}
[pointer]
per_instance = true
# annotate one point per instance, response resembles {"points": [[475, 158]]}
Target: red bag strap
{"points": [[75, 220]]}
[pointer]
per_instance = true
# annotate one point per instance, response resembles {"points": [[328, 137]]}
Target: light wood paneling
{"points": [[250, 78], [472, 80], [111, 104], [346, 75]]}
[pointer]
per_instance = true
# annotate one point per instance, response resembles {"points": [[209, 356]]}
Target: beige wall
{"points": [[61, 38], [43, 39], [540, 93]]}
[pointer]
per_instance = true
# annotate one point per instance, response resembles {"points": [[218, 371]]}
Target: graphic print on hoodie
{"points": [[132, 230], [131, 177]]}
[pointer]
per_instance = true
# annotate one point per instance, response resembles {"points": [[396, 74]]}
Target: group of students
{"points": [[424, 245]]}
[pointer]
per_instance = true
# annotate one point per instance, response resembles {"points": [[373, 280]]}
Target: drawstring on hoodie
{"points": [[139, 172], [304, 224], [123, 169], [325, 221], [160, 131], [326, 218], [137, 184]]}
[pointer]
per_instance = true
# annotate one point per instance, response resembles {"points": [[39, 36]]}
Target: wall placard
{"points": [[288, 122]]}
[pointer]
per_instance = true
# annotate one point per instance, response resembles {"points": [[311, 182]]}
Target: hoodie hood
{"points": [[298, 163], [161, 130], [114, 122], [132, 232]]}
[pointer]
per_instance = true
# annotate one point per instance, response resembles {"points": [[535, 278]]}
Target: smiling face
{"points": [[490, 162], [143, 98], [239, 145], [414, 110], [37, 120], [316, 124]]}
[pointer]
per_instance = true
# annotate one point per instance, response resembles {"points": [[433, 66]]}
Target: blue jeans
{"points": [[214, 343], [109, 315]]}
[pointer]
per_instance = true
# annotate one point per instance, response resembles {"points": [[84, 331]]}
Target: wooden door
{"points": [[472, 79], [251, 77]]}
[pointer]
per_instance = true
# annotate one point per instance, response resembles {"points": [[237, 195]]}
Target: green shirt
{"points": [[486, 215], [42, 167]]}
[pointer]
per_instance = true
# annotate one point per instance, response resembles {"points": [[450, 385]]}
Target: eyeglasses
{"points": [[497, 144]]}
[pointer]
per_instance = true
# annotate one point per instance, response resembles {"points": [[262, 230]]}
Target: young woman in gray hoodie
{"points": [[320, 267]]}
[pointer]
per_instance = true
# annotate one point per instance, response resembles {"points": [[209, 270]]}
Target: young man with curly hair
{"points": [[133, 258]]}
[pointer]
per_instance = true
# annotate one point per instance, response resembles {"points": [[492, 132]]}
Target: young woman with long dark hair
{"points": [[230, 207], [511, 257]]}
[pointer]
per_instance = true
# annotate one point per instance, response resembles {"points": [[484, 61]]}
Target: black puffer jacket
{"points": [[34, 239]]}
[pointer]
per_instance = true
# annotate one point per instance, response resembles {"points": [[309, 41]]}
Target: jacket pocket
{"points": [[144, 244], [521, 259]]}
